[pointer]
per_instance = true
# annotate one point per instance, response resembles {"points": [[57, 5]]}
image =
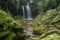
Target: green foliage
{"points": [[11, 36], [10, 27], [38, 30], [53, 3], [51, 16], [38, 18], [16, 3], [57, 26], [34, 38], [52, 35], [49, 13], [48, 16], [42, 5]]}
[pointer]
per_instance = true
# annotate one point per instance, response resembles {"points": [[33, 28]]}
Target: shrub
{"points": [[10, 29], [51, 35], [51, 16], [38, 30], [57, 26], [34, 39]]}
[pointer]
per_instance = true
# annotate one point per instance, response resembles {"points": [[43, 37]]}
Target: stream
{"points": [[29, 33]]}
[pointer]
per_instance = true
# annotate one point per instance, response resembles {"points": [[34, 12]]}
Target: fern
{"points": [[11, 36], [4, 33]]}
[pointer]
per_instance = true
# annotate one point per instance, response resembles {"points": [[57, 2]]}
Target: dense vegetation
{"points": [[10, 29], [46, 23]]}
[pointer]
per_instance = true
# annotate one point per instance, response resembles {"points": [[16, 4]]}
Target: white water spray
{"points": [[24, 17], [29, 16]]}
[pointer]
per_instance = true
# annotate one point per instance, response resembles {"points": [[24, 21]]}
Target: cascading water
{"points": [[24, 17], [29, 16]]}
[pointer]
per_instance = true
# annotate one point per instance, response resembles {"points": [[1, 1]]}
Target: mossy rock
{"points": [[38, 30]]}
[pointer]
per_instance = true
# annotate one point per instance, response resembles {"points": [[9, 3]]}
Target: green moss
{"points": [[34, 38], [38, 30]]}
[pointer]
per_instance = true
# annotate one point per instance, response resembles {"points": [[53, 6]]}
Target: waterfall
{"points": [[24, 18], [29, 16]]}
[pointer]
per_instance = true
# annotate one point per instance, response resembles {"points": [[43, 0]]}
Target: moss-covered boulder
{"points": [[38, 30]]}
